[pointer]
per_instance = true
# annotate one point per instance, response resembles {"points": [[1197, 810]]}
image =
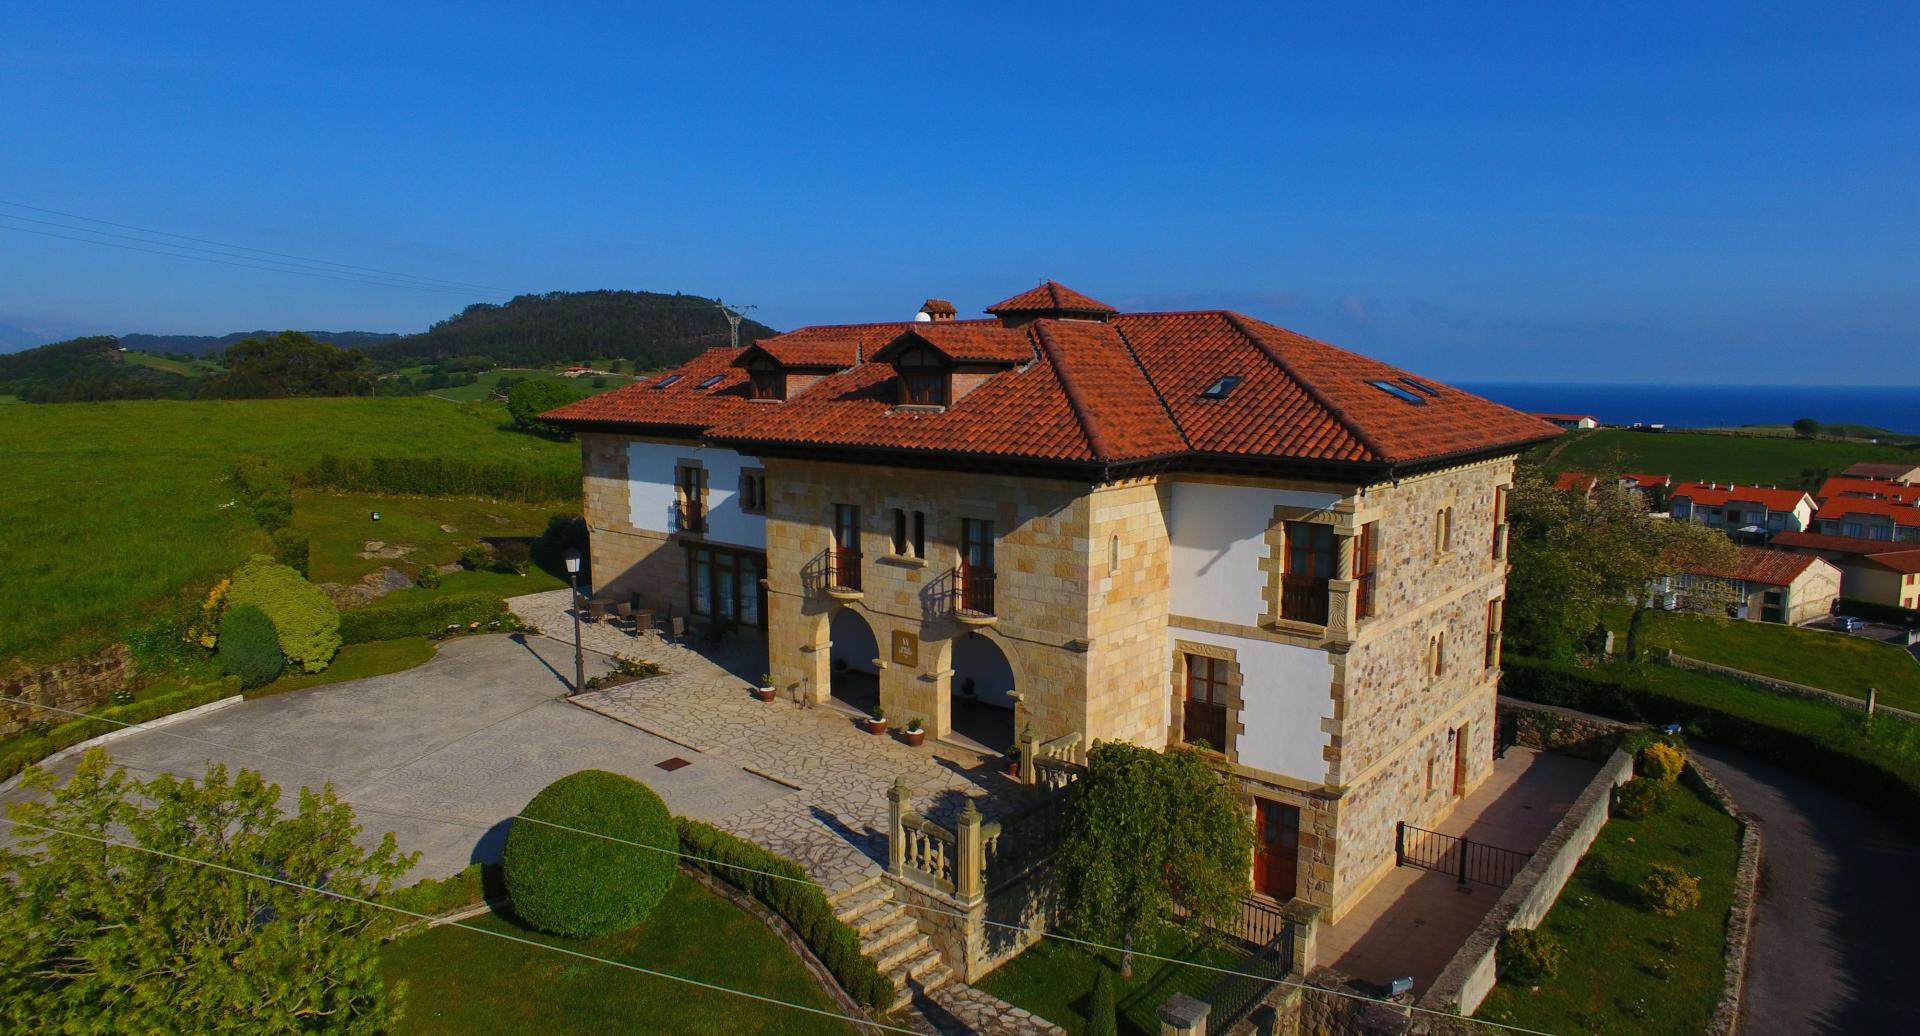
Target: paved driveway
{"points": [[1833, 942], [443, 754]]}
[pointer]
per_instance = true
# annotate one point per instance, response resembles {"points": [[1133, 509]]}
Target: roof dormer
{"points": [[1051, 300]]}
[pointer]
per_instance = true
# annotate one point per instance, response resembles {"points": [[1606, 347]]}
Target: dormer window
{"points": [[923, 378], [769, 381]]}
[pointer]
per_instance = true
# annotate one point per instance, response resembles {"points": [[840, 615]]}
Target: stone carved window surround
{"points": [[689, 473], [1235, 702], [1346, 539]]}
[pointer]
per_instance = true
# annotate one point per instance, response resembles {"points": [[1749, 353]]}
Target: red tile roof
{"points": [[1881, 469], [1841, 506], [682, 404], [1716, 495], [1050, 297], [1835, 544], [1565, 417], [1759, 565], [1840, 486], [1567, 481], [1907, 561], [1647, 481], [1088, 391]]}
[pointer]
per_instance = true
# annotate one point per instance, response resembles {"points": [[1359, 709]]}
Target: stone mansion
{"points": [[1156, 527]]}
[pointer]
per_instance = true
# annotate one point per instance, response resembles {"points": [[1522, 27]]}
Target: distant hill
{"points": [[209, 345], [650, 328], [86, 369]]}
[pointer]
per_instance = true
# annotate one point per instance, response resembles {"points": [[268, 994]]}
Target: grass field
{"points": [[185, 368], [356, 662], [1628, 969], [432, 529], [1054, 980], [1692, 456], [464, 982], [483, 388], [108, 511], [1831, 661]]}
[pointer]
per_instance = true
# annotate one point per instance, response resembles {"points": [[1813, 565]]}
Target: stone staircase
{"points": [[891, 935]]}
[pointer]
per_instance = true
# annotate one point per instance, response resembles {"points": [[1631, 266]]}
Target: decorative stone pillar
{"points": [[1029, 753], [897, 810], [1306, 930], [1182, 1015], [969, 869]]}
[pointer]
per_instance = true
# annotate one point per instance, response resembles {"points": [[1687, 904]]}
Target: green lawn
{"points": [[356, 662], [467, 983], [1692, 456], [108, 511], [184, 368], [340, 528], [1054, 980], [1627, 969], [1832, 661], [483, 388]]}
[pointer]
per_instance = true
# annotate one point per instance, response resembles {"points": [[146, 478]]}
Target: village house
{"points": [[1882, 518], [1570, 421], [1754, 510], [1162, 528], [1875, 571], [1884, 471], [1652, 488], [1768, 585]]}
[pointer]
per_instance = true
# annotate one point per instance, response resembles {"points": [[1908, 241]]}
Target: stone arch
{"points": [[853, 646], [962, 654]]}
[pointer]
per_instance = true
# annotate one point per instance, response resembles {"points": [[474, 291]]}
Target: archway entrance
{"points": [[982, 693], [855, 681]]}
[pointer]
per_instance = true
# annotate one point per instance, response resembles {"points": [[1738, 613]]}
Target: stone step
{"points": [[886, 936], [903, 950], [850, 905], [879, 917], [927, 973]]}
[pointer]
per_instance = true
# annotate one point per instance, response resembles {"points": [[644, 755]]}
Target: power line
{"points": [[479, 824], [331, 893], [258, 251]]}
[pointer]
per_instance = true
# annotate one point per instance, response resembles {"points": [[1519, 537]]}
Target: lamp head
{"points": [[573, 562]]}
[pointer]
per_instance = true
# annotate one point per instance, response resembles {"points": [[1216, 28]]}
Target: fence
{"points": [[1470, 861], [1235, 996], [974, 856], [1256, 923], [1052, 764]]}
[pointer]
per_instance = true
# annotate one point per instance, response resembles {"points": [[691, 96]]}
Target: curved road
{"points": [[1834, 945]]}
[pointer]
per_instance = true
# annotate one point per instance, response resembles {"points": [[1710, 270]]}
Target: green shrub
{"points": [[273, 512], [1878, 612], [784, 888], [529, 399], [428, 578], [512, 556], [292, 549], [1661, 762], [433, 897], [564, 532], [1637, 799], [440, 476], [579, 885], [1528, 957], [425, 617], [308, 623], [1669, 890], [249, 646], [35, 748], [1103, 1014], [476, 557]]}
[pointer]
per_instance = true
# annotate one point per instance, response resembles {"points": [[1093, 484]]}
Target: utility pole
{"points": [[733, 318]]}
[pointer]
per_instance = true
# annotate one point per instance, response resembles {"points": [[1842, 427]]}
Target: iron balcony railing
{"points": [[693, 517], [1205, 721], [1467, 860], [1303, 599], [1363, 596], [843, 568], [975, 589]]}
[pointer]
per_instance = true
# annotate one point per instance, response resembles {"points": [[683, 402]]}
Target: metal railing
{"points": [[974, 590], [1256, 923], [1022, 840], [1235, 996], [843, 568], [693, 516], [1363, 596], [1205, 721], [1469, 861], [1303, 599]]}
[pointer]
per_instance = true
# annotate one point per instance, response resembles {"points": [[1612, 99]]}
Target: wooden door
{"points": [[1460, 760], [1276, 851]]}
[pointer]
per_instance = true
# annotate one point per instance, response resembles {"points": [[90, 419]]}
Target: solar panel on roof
{"points": [[1396, 391]]}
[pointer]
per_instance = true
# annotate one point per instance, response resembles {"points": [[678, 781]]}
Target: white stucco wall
{"points": [[1286, 690], [1218, 537], [650, 491]]}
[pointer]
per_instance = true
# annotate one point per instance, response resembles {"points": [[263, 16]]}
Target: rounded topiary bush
{"points": [[307, 621], [1637, 799], [1670, 891], [1529, 957], [250, 646], [581, 885], [1662, 762]]}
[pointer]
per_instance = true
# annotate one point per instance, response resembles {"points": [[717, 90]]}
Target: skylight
{"points": [[668, 380], [711, 382], [1396, 391], [1219, 389], [1421, 385]]}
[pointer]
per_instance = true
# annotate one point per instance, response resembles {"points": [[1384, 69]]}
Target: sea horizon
{"points": [[1892, 408]]}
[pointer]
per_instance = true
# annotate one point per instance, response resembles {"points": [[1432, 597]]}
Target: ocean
{"points": [[1893, 408]]}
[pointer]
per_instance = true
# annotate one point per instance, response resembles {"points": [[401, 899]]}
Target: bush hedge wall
{"points": [[579, 885], [427, 617], [249, 647], [440, 476], [1877, 612], [1877, 762], [784, 888], [36, 747]]}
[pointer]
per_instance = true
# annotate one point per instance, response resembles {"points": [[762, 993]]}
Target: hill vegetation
{"points": [[214, 345], [83, 370], [650, 328], [1707, 457]]}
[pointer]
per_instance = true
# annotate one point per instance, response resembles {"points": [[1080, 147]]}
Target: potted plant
{"points": [[877, 723], [765, 691], [916, 733], [1013, 759]]}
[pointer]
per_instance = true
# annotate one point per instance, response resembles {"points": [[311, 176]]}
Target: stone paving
{"points": [[957, 1009]]}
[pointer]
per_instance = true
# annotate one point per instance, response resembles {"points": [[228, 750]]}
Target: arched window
{"points": [[769, 380], [923, 377]]}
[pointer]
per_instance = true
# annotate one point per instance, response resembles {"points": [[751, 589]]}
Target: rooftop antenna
{"points": [[734, 318]]}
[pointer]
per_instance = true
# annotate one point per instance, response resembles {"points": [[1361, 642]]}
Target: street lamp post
{"points": [[579, 658]]}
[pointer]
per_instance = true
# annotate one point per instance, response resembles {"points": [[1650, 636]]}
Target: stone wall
{"points": [[1768, 683], [1549, 728], [626, 559], [1746, 899], [1467, 979], [76, 684]]}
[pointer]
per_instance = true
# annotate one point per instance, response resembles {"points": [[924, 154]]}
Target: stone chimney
{"points": [[937, 311]]}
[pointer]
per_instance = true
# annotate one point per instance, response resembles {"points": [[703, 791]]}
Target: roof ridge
{"points": [[1154, 386], [1313, 392], [1096, 440]]}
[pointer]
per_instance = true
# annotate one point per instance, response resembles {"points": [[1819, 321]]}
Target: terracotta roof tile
{"points": [[1841, 506], [1715, 495], [1051, 296], [1841, 487], [653, 402], [1759, 565], [1835, 544], [971, 340]]}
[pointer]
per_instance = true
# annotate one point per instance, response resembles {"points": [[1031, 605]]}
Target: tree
{"points": [[527, 400], [104, 939], [289, 364], [1140, 824], [1807, 428]]}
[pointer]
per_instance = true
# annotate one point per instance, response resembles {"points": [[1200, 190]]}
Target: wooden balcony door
{"points": [[1276, 852]]}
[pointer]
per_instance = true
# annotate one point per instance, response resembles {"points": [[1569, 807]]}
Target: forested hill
{"points": [[650, 328], [85, 369], [211, 345]]}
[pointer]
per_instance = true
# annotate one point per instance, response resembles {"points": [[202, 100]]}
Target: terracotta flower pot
{"points": [[763, 693], [915, 738], [1013, 767], [876, 726]]}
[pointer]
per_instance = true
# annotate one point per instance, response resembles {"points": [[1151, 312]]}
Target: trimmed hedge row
{"points": [[436, 896], [421, 618], [72, 732], [567, 882], [1878, 763], [440, 476], [794, 898], [1878, 612]]}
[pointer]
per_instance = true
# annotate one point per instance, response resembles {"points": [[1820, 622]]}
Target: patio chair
{"points": [[623, 614], [676, 628], [642, 621], [596, 610]]}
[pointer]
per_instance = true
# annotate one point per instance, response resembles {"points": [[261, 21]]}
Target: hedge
{"points": [[66, 735], [423, 617], [1877, 612], [795, 898], [308, 622], [576, 884], [249, 647], [440, 476], [435, 896], [1877, 762]]}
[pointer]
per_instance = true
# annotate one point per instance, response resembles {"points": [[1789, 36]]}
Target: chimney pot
{"points": [[938, 310]]}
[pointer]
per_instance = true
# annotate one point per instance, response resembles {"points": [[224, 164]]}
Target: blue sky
{"points": [[1654, 193]]}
